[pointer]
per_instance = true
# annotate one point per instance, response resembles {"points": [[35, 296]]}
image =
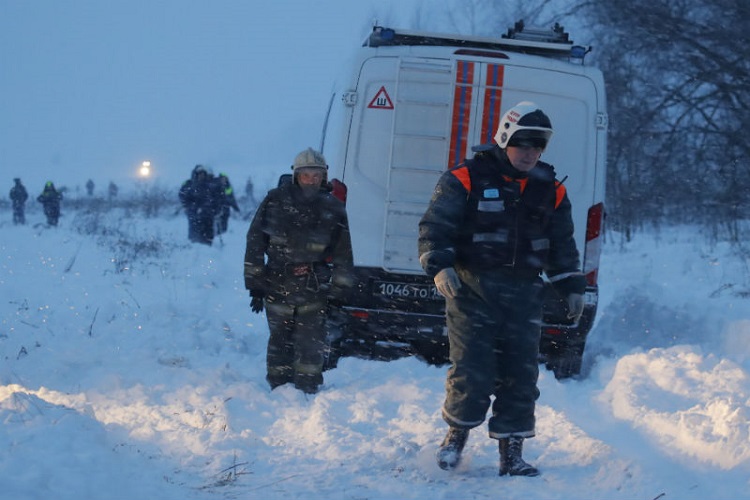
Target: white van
{"points": [[416, 104]]}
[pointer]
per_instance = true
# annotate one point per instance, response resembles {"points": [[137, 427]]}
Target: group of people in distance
{"points": [[207, 200], [50, 199]]}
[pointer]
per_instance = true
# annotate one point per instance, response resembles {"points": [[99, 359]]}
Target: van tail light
{"points": [[594, 226], [360, 314], [339, 190]]}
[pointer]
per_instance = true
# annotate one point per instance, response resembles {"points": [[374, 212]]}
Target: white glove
{"points": [[447, 282], [575, 306]]}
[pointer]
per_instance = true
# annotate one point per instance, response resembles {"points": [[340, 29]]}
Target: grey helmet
{"points": [[309, 158]]}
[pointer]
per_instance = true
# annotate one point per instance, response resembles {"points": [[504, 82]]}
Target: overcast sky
{"points": [[90, 88]]}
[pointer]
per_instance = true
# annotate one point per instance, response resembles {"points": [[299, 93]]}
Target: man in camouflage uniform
{"points": [[493, 224], [298, 257]]}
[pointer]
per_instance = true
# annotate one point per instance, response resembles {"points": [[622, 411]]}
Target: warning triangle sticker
{"points": [[381, 100]]}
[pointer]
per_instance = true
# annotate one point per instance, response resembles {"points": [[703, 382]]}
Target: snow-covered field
{"points": [[132, 367]]}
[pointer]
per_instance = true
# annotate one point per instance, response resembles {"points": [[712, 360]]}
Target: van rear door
{"points": [[396, 155], [419, 116]]}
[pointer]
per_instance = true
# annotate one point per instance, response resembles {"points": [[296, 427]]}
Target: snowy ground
{"points": [[132, 367]]}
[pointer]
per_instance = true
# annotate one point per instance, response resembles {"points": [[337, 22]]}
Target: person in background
{"points": [[494, 223], [112, 191], [200, 198], [18, 197], [50, 200], [250, 192], [298, 257], [228, 201]]}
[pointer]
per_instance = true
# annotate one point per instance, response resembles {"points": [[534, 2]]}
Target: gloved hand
{"points": [[447, 282], [256, 303], [575, 306]]}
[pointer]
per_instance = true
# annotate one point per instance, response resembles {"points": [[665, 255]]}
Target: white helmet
{"points": [[524, 123]]}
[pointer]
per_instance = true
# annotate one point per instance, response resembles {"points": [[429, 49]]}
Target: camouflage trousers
{"points": [[296, 345]]}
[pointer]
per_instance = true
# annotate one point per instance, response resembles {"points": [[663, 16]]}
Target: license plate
{"points": [[407, 290]]}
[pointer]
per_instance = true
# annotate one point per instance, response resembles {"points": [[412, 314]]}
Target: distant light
{"points": [[145, 169]]}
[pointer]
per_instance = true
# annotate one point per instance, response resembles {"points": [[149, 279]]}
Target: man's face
{"points": [[523, 158], [310, 176]]}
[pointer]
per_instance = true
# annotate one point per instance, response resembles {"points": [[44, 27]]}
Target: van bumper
{"points": [[387, 325], [370, 319]]}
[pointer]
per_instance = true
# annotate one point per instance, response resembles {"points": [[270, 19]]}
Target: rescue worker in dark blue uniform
{"points": [[200, 196], [298, 257], [494, 223]]}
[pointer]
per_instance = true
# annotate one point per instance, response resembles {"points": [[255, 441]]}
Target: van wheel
{"points": [[565, 363], [333, 351], [431, 352], [332, 354]]}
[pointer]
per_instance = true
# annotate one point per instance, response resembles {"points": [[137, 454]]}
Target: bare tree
{"points": [[483, 17], [679, 91]]}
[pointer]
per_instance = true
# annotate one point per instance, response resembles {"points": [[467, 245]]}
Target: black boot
{"points": [[449, 454], [511, 461]]}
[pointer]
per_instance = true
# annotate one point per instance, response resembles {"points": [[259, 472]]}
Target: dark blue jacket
{"points": [[485, 216], [201, 196]]}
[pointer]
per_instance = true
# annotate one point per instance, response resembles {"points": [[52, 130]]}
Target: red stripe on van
{"points": [[461, 112], [493, 97]]}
